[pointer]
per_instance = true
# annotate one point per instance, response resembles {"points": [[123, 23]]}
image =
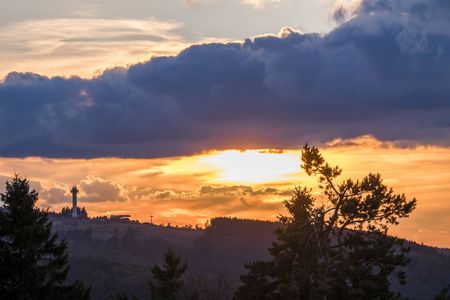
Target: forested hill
{"points": [[115, 256]]}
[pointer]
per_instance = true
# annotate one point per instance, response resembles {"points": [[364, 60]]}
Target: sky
{"points": [[187, 110], [84, 38]]}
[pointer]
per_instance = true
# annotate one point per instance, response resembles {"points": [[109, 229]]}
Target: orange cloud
{"points": [[82, 46], [190, 190]]}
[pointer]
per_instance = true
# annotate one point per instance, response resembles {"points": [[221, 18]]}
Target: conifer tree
{"points": [[335, 248], [66, 212], [33, 263], [443, 294], [167, 280], [83, 213]]}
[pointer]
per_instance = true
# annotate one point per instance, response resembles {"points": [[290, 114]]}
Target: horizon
{"points": [[172, 110], [230, 183]]}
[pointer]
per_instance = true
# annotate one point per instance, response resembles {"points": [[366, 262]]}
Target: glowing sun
{"points": [[252, 166]]}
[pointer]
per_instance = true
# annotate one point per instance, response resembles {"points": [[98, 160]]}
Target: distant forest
{"points": [[337, 250], [116, 257]]}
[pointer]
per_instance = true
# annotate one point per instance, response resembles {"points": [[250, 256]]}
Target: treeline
{"points": [[214, 261], [231, 225], [338, 248], [67, 212]]}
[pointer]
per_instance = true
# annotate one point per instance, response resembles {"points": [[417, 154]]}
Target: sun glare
{"points": [[252, 166]]}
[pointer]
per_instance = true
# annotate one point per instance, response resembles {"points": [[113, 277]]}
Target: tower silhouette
{"points": [[74, 192]]}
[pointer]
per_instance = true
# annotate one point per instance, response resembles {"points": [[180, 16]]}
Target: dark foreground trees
{"points": [[167, 280], [33, 263], [333, 246], [444, 294]]}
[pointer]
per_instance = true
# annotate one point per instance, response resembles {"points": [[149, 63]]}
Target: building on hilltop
{"points": [[123, 218]]}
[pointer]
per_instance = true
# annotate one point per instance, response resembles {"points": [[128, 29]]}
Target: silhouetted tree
{"points": [[444, 294], [83, 213], [33, 263], [201, 287], [67, 212], [167, 280], [335, 248]]}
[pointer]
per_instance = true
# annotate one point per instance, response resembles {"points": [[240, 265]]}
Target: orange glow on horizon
{"points": [[246, 184]]}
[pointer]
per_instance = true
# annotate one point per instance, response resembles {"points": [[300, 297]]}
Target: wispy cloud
{"points": [[84, 45], [257, 4], [342, 10]]}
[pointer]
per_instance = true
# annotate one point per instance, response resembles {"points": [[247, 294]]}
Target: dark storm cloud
{"points": [[383, 72]]}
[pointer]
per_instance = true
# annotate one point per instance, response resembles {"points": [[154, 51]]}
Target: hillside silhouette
{"points": [[338, 249], [115, 257]]}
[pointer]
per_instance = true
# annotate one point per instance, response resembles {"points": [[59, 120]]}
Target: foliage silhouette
{"points": [[81, 213], [167, 281], [33, 263], [444, 294], [337, 248]]}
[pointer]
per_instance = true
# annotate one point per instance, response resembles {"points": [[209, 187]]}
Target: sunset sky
{"points": [[191, 109]]}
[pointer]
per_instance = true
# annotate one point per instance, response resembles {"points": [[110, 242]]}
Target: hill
{"points": [[115, 256]]}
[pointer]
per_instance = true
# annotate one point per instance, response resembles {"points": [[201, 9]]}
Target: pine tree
{"points": [[167, 281], [443, 294], [83, 213], [338, 248], [66, 212], [33, 263]]}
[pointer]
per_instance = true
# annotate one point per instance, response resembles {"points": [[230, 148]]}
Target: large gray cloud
{"points": [[97, 190], [383, 72]]}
